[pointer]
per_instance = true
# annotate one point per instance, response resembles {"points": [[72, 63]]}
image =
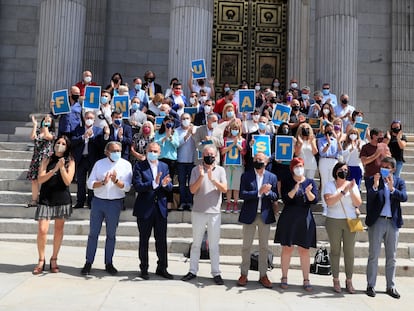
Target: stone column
{"points": [[94, 50], [337, 46], [402, 63], [298, 42], [191, 24], [60, 52]]}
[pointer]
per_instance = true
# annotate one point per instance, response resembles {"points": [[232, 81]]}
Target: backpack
{"points": [[204, 249], [254, 260], [321, 264]]}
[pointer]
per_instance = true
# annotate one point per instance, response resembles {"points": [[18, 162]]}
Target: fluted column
{"points": [[95, 28], [298, 42], [402, 63], [337, 46], [60, 52], [191, 24]]}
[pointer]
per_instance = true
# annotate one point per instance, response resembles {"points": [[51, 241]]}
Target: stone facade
{"points": [[132, 36]]}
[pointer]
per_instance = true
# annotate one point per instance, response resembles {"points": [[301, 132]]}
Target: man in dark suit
{"points": [[152, 181], [385, 192], [150, 87], [258, 191], [88, 147], [122, 132]]}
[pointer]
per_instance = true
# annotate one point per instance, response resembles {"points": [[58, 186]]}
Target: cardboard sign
{"points": [[247, 100], [284, 148], [121, 102], [281, 114], [233, 156], [61, 99], [315, 123], [198, 68], [92, 97], [192, 111], [158, 120], [261, 144]]}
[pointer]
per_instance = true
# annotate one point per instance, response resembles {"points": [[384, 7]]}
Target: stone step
{"points": [[15, 163]]}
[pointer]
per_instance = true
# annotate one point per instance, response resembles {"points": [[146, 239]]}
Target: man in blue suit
{"points": [[88, 147], [385, 192], [152, 182], [258, 190], [122, 132]]}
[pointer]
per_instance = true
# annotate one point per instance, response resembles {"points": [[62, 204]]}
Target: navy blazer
{"points": [[149, 198], [249, 193], [376, 200], [126, 139], [96, 144]]}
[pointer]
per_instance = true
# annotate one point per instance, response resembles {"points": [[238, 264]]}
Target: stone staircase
{"points": [[17, 224]]}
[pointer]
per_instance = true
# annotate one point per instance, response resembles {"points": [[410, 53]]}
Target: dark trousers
{"points": [[172, 167], [184, 174], [145, 226], [83, 169]]}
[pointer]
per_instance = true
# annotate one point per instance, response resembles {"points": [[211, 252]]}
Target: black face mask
{"points": [[318, 101], [344, 101], [295, 108], [209, 159], [285, 131], [149, 80], [116, 80], [396, 130], [75, 97], [305, 131], [273, 100], [201, 82], [328, 133], [258, 165], [380, 139], [342, 174]]}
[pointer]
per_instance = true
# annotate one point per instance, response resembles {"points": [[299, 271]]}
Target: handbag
{"points": [[354, 224], [321, 264], [254, 260]]}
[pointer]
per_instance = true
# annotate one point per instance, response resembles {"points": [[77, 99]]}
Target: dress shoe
{"points": [[189, 276], [218, 280], [86, 268], [393, 293], [265, 282], [144, 275], [181, 207], [371, 291], [164, 273], [242, 280], [110, 269]]}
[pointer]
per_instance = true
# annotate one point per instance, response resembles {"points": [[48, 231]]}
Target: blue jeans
{"points": [[110, 211], [184, 174], [398, 168]]}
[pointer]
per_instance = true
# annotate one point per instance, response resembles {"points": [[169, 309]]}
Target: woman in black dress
{"points": [[296, 225], [55, 175]]}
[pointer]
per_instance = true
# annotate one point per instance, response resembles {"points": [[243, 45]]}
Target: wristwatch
{"points": [[343, 192]]}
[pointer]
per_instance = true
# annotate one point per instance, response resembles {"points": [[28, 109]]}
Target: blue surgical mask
{"points": [[234, 132], [385, 172], [138, 86], [115, 156], [305, 96], [104, 99], [169, 125], [358, 119], [152, 156], [262, 126], [325, 92], [118, 122], [135, 106], [162, 114], [230, 114]]}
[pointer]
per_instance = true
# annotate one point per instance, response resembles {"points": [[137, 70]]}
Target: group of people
{"points": [[110, 155]]}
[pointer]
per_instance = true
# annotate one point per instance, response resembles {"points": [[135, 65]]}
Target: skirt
{"points": [[53, 212]]}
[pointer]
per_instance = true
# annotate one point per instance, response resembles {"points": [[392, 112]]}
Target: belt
{"points": [[385, 217], [328, 158]]}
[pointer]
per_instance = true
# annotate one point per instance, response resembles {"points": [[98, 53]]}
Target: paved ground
{"points": [[68, 290]]}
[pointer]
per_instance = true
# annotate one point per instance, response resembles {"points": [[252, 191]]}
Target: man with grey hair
{"points": [[316, 106], [207, 184], [110, 180], [304, 99]]}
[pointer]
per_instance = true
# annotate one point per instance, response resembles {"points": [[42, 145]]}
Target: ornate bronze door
{"points": [[249, 42]]}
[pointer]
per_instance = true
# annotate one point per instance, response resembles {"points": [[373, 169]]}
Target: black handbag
{"points": [[254, 261]]}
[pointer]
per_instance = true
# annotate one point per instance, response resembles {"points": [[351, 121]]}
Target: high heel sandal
{"points": [[307, 286], [349, 287], [54, 268], [283, 283], [39, 268], [337, 286]]}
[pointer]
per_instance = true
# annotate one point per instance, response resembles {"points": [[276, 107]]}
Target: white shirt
{"points": [[259, 181], [336, 211], [154, 170], [110, 191]]}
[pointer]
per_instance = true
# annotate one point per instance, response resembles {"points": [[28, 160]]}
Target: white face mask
{"points": [[60, 148], [257, 87], [353, 137], [185, 122], [192, 100], [87, 79], [214, 124], [89, 122], [326, 112], [207, 109], [256, 117], [299, 171]]}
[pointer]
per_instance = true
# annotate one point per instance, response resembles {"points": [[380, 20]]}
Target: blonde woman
{"points": [[141, 140], [306, 149]]}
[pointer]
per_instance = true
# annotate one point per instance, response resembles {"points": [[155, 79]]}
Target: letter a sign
{"points": [[247, 100]]}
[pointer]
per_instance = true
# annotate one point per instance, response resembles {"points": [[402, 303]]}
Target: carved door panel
{"points": [[249, 41]]}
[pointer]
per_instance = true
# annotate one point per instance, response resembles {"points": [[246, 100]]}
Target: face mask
{"points": [[207, 109], [138, 86], [273, 100], [358, 119], [135, 106], [289, 98], [385, 172], [258, 165], [115, 156], [89, 122], [185, 123], [295, 108], [209, 159], [118, 122], [192, 100], [162, 114], [203, 98], [87, 79], [276, 84], [230, 114], [285, 131], [75, 97], [262, 126], [380, 139], [353, 137], [294, 85], [305, 96], [152, 156], [60, 148], [226, 89], [177, 92], [234, 132], [344, 101], [200, 82], [169, 125], [325, 92], [149, 80], [104, 99], [337, 128], [256, 117], [326, 112], [214, 124], [318, 101], [329, 133], [46, 124], [146, 130], [116, 80], [305, 131], [257, 87], [342, 174], [299, 171], [396, 130]]}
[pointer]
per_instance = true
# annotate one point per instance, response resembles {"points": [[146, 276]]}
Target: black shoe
{"points": [[110, 269], [144, 275], [218, 280], [78, 205], [393, 293], [189, 276], [181, 207], [371, 291], [86, 268], [164, 273]]}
